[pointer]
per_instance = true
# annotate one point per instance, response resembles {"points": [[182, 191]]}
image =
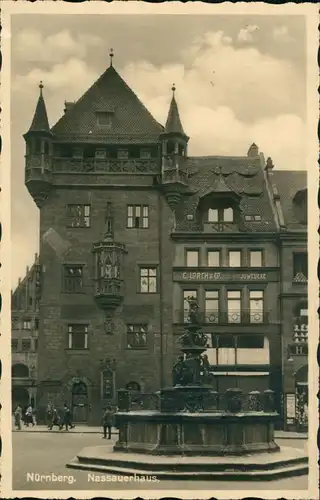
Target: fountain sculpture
{"points": [[191, 429]]}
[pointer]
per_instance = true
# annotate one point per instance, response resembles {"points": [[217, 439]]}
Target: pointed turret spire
{"points": [[40, 121], [173, 124]]}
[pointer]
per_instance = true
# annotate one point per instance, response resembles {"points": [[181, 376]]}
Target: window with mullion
{"points": [[73, 279], [148, 280], [220, 215], [212, 306], [234, 306], [256, 306], [137, 216], [78, 216], [78, 336], [137, 336]]}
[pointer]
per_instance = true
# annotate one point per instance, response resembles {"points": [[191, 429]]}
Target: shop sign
{"points": [[219, 276], [290, 408]]}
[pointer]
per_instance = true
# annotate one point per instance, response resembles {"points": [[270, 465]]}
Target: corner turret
{"points": [[38, 153], [174, 143]]}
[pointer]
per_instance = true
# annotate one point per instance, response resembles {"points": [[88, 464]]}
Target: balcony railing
{"points": [[211, 316], [105, 166]]}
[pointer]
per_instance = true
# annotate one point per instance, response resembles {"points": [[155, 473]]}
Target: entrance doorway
{"points": [[20, 396], [79, 403]]}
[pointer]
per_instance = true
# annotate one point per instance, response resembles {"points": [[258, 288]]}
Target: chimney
{"points": [[68, 105], [27, 272], [253, 151], [269, 165], [19, 281]]}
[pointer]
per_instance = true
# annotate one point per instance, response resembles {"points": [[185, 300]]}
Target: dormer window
{"points": [[300, 206], [100, 154], [220, 214], [104, 119]]}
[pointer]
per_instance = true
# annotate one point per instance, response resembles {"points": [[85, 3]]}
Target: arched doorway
{"points": [[133, 387], [19, 370], [301, 380], [20, 396], [80, 402]]}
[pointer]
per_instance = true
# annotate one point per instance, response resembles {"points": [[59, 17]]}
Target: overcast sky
{"points": [[240, 79]]}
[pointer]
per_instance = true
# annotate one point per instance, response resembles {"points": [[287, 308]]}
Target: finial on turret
{"points": [[111, 54], [173, 88], [41, 87]]}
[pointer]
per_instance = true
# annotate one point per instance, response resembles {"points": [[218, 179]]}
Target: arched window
{"points": [[19, 371]]}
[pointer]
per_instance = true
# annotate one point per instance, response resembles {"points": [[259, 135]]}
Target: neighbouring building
{"points": [[291, 202], [24, 338], [130, 226]]}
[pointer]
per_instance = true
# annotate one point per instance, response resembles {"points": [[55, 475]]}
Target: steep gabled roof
{"points": [[288, 183], [40, 122], [242, 176], [112, 95]]}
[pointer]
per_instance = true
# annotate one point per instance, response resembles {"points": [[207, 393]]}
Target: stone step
{"points": [[228, 474]]}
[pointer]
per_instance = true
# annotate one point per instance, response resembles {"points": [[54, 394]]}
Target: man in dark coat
{"points": [[107, 421], [67, 419]]}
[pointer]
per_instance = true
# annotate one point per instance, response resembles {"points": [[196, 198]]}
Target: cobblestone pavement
{"points": [[48, 453]]}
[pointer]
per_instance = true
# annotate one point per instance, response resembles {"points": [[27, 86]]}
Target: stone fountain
{"points": [[191, 430]]}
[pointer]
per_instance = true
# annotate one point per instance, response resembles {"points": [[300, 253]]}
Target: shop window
{"points": [[73, 279], [78, 216], [192, 258], [148, 280], [226, 349], [78, 336], [137, 336], [137, 216]]}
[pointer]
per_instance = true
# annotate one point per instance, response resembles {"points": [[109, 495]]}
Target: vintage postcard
{"points": [[159, 250]]}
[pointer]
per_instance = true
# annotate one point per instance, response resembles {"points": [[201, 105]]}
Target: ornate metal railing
{"points": [[104, 166], [233, 400], [211, 316]]}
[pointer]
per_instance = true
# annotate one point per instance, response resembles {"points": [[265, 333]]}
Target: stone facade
{"points": [[24, 338], [121, 205]]}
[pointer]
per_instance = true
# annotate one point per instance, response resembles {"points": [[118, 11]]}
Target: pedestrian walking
{"points": [[55, 420], [107, 421], [49, 415], [18, 417], [67, 417], [29, 416]]}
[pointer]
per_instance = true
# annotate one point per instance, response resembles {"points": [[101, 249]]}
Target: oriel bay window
{"points": [[148, 280], [211, 306], [234, 306], [238, 349], [73, 279], [78, 336], [137, 336], [192, 258], [256, 306], [137, 216]]}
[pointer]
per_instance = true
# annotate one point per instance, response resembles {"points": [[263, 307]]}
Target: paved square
{"points": [[47, 454]]}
